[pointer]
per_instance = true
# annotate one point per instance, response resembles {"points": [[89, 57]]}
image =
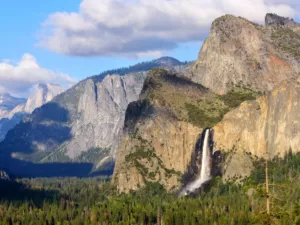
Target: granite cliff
{"points": [[238, 51], [243, 85], [266, 127]]}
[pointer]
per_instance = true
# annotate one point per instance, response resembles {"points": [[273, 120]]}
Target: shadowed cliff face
{"points": [[50, 129], [238, 51], [269, 124]]}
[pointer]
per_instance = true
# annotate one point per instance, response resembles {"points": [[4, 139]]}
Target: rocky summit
{"points": [[273, 20], [238, 51]]}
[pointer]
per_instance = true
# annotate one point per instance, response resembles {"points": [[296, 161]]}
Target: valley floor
{"points": [[94, 201]]}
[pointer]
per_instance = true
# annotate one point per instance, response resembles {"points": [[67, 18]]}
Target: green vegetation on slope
{"points": [[287, 40], [143, 158], [238, 95], [210, 111], [93, 201], [192, 102], [94, 155]]}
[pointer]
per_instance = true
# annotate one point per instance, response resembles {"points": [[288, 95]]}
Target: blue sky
{"points": [[68, 40], [21, 30]]}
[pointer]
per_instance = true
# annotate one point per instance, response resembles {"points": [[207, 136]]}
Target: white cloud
{"points": [[19, 78], [144, 27]]}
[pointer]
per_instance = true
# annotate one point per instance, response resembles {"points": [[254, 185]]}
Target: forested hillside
{"points": [[94, 201]]}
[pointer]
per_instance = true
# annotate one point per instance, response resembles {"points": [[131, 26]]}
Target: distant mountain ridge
{"points": [[166, 62], [42, 94], [83, 124], [8, 102], [18, 108]]}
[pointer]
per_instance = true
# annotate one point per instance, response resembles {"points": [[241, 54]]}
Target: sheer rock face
{"points": [[268, 125], [101, 110], [238, 165], [173, 143], [238, 51], [43, 93]]}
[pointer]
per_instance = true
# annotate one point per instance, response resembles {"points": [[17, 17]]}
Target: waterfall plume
{"points": [[205, 172]]}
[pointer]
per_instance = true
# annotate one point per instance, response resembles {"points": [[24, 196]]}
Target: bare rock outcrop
{"points": [[273, 20], [267, 126], [238, 51], [101, 110]]}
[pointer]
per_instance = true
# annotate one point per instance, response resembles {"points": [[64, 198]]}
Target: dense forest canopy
{"points": [[94, 201]]}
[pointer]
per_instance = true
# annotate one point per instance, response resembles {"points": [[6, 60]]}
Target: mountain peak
{"points": [[8, 96], [274, 20], [5, 95], [43, 93], [48, 85], [229, 23], [167, 61], [238, 51], [8, 102], [164, 62]]}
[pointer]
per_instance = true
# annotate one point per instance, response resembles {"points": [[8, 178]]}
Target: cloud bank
{"points": [[18, 79], [139, 28]]}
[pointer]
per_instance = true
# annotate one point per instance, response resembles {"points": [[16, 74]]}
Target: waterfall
{"points": [[205, 167]]}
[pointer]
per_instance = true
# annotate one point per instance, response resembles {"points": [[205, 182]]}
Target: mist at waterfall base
{"points": [[205, 173]]}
